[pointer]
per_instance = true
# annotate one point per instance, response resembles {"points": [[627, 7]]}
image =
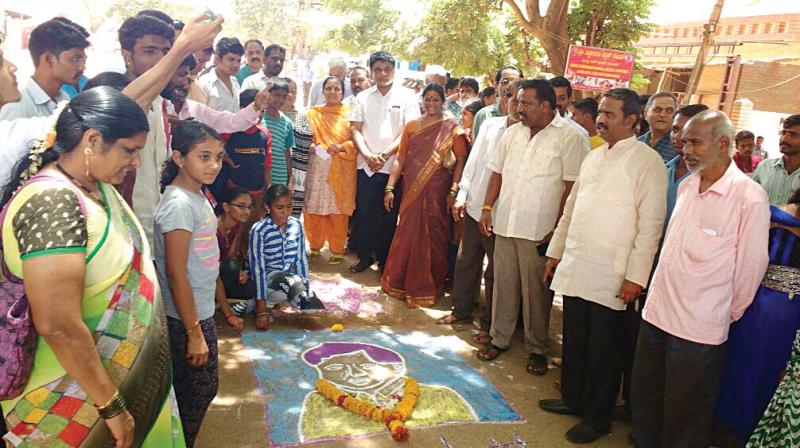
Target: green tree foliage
{"points": [[275, 21], [364, 26], [469, 38], [128, 8], [614, 24], [479, 35]]}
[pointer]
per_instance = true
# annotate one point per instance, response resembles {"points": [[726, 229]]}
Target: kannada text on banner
{"points": [[598, 69]]}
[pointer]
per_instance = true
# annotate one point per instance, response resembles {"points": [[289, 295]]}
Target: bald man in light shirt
{"points": [[336, 67]]}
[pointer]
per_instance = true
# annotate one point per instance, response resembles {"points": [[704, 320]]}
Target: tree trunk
{"points": [[551, 30], [556, 53]]}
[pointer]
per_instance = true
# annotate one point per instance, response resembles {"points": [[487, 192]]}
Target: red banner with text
{"points": [[598, 69]]}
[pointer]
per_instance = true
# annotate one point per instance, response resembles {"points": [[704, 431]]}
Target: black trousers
{"points": [[592, 360], [675, 386], [633, 320], [229, 273], [374, 226], [195, 387]]}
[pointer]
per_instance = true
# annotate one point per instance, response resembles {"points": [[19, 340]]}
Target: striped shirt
{"points": [[282, 140], [772, 175], [300, 154], [272, 250]]}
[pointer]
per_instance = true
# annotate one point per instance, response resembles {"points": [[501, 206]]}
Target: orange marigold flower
{"points": [[50, 139]]}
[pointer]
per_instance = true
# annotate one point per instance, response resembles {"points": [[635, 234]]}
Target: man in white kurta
{"points": [[605, 241]]}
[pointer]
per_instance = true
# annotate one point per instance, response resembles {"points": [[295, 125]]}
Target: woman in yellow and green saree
{"points": [[101, 371]]}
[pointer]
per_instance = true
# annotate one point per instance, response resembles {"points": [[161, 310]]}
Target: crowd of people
{"points": [[148, 201]]}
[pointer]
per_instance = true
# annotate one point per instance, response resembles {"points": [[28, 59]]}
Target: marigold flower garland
{"points": [[393, 418]]}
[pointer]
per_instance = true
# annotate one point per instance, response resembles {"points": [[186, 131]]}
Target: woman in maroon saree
{"points": [[430, 159]]}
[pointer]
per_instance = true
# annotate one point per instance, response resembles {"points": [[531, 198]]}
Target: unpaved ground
{"points": [[236, 418]]}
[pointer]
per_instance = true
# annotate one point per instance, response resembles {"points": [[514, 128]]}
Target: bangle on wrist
{"points": [[389, 189], [113, 408], [487, 208], [110, 400], [194, 327], [264, 313]]}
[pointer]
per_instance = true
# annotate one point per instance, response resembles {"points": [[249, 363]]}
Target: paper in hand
{"points": [[321, 152]]}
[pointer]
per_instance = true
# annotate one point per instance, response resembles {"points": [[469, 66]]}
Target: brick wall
{"points": [[759, 75]]}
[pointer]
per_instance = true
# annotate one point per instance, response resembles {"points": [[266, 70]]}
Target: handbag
{"points": [[17, 333]]}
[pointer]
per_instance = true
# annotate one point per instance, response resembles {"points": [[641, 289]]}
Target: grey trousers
{"points": [[469, 266], [675, 385], [518, 270]]}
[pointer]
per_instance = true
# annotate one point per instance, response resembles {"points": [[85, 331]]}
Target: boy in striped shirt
{"points": [[280, 127]]}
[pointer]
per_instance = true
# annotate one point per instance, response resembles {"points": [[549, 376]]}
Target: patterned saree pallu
{"points": [[59, 414], [130, 336]]}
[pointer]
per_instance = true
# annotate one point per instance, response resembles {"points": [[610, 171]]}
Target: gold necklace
{"points": [[79, 185]]}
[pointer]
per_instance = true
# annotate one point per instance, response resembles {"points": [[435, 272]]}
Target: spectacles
{"points": [[244, 207]]}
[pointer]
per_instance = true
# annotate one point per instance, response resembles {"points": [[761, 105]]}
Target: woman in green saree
{"points": [[101, 374]]}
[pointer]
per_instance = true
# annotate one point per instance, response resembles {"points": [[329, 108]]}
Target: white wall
{"points": [[767, 124]]}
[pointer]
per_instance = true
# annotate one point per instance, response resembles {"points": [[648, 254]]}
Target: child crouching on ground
{"points": [[278, 261]]}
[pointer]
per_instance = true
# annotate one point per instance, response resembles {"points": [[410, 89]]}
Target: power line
{"points": [[790, 79]]}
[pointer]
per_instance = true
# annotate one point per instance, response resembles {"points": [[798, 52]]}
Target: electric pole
{"points": [[708, 35]]}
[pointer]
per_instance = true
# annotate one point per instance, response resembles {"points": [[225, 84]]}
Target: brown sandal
{"points": [[490, 352], [482, 338], [451, 319]]}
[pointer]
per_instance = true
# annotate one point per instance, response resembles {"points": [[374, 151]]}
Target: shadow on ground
{"points": [[237, 416]]}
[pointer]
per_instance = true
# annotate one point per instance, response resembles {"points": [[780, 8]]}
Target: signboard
{"points": [[598, 69]]}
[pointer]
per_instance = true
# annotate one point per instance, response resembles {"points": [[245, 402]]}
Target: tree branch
{"points": [[533, 9], [556, 14], [526, 24]]}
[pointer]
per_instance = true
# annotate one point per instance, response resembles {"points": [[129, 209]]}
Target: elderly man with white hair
{"points": [[336, 67], [714, 258], [435, 73]]}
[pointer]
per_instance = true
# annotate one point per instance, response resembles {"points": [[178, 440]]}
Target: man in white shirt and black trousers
{"points": [[376, 124], [604, 247]]}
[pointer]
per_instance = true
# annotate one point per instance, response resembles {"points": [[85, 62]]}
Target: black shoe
{"points": [[556, 407], [584, 433], [311, 303], [361, 266], [238, 309]]}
